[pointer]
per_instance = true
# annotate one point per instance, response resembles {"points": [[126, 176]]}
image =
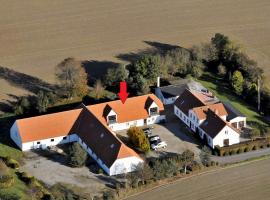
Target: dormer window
{"points": [[112, 119], [153, 111]]}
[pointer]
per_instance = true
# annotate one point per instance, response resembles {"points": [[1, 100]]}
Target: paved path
{"points": [[241, 157], [243, 182]]}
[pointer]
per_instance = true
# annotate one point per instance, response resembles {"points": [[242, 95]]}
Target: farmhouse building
{"points": [[92, 126], [215, 122]]}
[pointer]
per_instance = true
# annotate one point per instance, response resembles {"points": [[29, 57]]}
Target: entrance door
{"points": [[226, 142]]}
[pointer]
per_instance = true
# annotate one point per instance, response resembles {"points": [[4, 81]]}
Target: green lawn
{"points": [[224, 93], [18, 188]]}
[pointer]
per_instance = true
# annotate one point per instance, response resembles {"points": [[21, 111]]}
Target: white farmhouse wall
{"points": [[15, 135], [48, 142], [181, 116], [126, 125], [125, 165], [226, 133]]}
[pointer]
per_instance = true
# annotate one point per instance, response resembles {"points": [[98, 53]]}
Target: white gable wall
{"points": [[226, 133]]}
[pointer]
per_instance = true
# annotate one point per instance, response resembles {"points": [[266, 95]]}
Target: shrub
{"points": [[108, 195], [232, 152], [138, 138], [194, 166], [205, 155], [26, 178], [6, 179], [77, 155], [240, 150], [212, 163], [12, 163], [9, 196], [100, 171], [226, 153], [254, 147]]}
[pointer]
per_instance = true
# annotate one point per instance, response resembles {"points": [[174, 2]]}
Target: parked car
{"points": [[154, 138], [148, 134], [158, 145]]}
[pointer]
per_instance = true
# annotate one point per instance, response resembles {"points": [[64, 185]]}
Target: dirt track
{"points": [[246, 182], [35, 35]]}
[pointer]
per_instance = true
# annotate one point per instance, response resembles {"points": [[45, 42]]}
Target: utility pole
{"points": [[259, 95]]}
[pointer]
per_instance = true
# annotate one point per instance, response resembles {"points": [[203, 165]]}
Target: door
{"points": [[226, 142]]}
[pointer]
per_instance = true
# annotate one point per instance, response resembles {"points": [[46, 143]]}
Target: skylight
{"points": [[112, 145], [102, 135]]}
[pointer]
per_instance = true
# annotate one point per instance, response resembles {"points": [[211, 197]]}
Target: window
{"points": [[52, 140], [180, 114], [153, 111], [112, 145], [102, 135], [184, 118], [38, 142], [226, 132], [177, 112], [197, 121], [209, 141], [112, 119], [64, 138]]}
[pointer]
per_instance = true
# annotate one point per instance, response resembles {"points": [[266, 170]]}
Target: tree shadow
{"points": [[97, 69], [25, 81], [154, 49]]}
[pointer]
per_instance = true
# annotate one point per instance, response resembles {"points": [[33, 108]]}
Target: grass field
{"points": [[245, 182], [35, 35]]}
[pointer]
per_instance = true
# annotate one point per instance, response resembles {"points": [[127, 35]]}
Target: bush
{"points": [[26, 178], [108, 195], [138, 138], [213, 163], [9, 196], [232, 152], [194, 166], [77, 155], [100, 171], [6, 179], [255, 147], [240, 150]]}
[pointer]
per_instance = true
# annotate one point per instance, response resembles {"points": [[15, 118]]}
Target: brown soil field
{"points": [[35, 35], [246, 182]]}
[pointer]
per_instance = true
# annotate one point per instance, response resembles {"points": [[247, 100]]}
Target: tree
{"points": [[187, 158], [118, 74], [144, 172], [72, 78], [22, 106], [237, 82], [98, 89], [138, 138], [42, 101], [180, 59], [196, 68], [77, 155], [205, 155], [222, 70], [255, 133]]}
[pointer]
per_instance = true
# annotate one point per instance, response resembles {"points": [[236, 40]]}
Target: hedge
{"points": [[26, 178], [242, 147]]}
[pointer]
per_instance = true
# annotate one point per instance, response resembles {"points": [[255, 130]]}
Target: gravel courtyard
{"points": [[52, 169]]}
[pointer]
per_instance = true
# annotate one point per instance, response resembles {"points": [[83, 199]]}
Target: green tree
{"points": [[138, 138], [118, 74], [205, 155], [43, 101], [72, 78], [22, 106], [77, 155], [237, 82], [196, 69]]}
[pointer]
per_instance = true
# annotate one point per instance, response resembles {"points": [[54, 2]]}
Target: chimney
{"points": [[158, 81]]}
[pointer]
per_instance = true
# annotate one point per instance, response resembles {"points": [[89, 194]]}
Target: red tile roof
{"points": [[202, 111]]}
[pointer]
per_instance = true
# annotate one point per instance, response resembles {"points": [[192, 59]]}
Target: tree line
{"points": [[220, 56]]}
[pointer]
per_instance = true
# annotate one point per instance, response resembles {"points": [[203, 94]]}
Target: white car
{"points": [[159, 145], [154, 138]]}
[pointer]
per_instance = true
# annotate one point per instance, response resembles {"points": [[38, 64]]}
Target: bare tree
{"points": [[98, 89], [72, 78]]}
